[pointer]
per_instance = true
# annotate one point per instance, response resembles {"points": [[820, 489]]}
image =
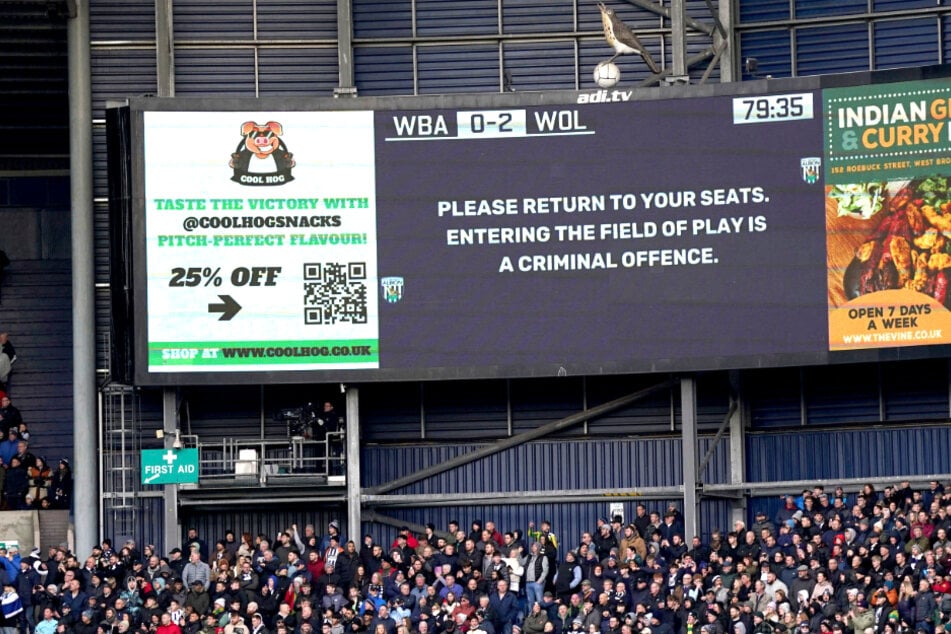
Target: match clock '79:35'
{"points": [[762, 108]]}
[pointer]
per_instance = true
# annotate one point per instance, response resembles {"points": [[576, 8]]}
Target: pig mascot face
{"points": [[262, 140], [261, 157]]}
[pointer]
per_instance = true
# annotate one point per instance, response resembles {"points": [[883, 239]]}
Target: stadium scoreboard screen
{"points": [[556, 234]]}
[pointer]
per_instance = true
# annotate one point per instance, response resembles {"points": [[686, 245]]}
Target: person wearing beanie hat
{"points": [[61, 485], [333, 530]]}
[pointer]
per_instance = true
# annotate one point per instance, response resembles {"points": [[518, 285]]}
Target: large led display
{"points": [[598, 233]]}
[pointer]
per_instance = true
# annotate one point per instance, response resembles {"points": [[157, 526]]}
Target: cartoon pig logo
{"points": [[262, 158]]}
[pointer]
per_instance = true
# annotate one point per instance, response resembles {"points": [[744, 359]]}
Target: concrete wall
{"points": [[21, 527]]}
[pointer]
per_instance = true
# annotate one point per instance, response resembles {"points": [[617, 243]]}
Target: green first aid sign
{"points": [[169, 466]]}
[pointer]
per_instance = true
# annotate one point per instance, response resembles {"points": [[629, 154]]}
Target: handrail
{"points": [[256, 461]]}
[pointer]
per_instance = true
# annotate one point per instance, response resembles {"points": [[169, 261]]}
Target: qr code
{"points": [[335, 292]]}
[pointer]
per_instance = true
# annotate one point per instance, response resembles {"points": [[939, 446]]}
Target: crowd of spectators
{"points": [[27, 481], [875, 562]]}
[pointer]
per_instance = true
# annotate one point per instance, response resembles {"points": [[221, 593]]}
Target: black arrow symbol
{"points": [[228, 308]]}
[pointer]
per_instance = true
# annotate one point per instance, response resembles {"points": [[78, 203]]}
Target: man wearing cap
{"points": [[860, 616], [762, 523], [176, 563], [198, 597], [803, 581], [728, 572], [605, 541], [760, 624]]}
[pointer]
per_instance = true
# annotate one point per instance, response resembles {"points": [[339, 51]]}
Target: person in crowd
{"points": [[48, 623], [7, 356], [61, 486], [9, 447], [196, 570], [11, 609], [861, 580], [10, 416], [15, 485], [40, 476], [27, 459]]}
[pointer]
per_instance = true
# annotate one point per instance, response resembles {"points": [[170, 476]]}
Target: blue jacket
{"points": [[8, 449], [505, 607]]}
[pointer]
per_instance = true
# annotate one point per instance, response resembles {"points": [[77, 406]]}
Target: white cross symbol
{"points": [[169, 457]]}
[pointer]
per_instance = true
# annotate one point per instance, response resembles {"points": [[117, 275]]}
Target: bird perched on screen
{"points": [[622, 39]]}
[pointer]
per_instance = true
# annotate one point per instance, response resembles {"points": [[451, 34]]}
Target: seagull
{"points": [[622, 39]]}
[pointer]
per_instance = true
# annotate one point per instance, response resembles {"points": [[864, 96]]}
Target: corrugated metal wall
{"points": [[145, 525], [849, 453], [543, 465], [568, 521], [767, 31], [849, 394], [212, 523], [476, 410], [35, 307]]}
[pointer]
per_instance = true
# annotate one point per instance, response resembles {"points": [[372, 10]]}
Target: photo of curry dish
{"points": [[910, 246]]}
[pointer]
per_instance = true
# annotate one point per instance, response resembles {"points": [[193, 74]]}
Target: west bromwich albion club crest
{"points": [[392, 289], [810, 169], [261, 157]]}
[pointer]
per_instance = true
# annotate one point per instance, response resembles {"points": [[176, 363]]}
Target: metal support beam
{"points": [[688, 449], [738, 445], [85, 417], [353, 464], [346, 86], [665, 12], [693, 61], [725, 425], [470, 498], [518, 439], [727, 58], [373, 516], [164, 48], [713, 62], [678, 38], [780, 487], [171, 530]]}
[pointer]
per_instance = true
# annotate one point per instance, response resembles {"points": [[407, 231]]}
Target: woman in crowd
{"points": [[60, 489]]}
